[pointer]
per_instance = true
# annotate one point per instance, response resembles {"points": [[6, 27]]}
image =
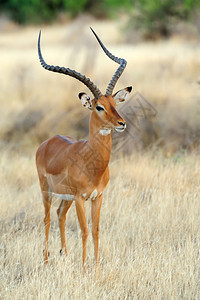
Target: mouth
{"points": [[120, 128]]}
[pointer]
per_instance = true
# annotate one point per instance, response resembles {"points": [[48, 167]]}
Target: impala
{"points": [[78, 170]]}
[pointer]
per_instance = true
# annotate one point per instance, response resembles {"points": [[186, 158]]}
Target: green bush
{"points": [[74, 7], [31, 11], [36, 11], [156, 17], [153, 15]]}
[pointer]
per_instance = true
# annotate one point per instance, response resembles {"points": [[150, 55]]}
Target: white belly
{"points": [[66, 197], [69, 197]]}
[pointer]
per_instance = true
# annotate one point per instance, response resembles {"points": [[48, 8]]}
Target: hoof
{"points": [[63, 252], [44, 253]]}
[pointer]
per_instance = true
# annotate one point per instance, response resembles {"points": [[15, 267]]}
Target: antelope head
{"points": [[103, 106]]}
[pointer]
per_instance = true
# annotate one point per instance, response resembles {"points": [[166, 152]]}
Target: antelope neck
{"points": [[100, 143]]}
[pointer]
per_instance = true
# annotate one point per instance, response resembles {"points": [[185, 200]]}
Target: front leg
{"points": [[80, 210], [96, 207]]}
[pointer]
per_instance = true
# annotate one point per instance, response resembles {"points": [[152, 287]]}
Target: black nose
{"points": [[121, 123]]}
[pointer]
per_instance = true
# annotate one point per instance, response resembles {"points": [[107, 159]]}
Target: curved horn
{"points": [[118, 60], [67, 71]]}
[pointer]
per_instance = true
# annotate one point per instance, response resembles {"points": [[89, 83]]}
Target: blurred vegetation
{"points": [[153, 17], [158, 17], [36, 11]]}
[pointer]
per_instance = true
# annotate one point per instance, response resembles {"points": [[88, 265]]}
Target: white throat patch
{"points": [[105, 131]]}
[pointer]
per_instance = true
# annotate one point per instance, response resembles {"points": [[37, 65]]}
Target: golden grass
{"points": [[149, 235], [149, 226]]}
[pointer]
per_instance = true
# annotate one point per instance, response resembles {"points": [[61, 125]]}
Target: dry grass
{"points": [[149, 235], [149, 226]]}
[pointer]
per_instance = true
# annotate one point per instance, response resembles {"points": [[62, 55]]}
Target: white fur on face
{"points": [[101, 106]]}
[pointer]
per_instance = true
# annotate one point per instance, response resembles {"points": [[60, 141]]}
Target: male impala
{"points": [[78, 170]]}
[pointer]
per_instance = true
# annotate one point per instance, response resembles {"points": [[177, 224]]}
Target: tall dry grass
{"points": [[149, 235], [149, 226]]}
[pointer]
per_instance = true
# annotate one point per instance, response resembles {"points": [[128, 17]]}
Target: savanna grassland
{"points": [[149, 225]]}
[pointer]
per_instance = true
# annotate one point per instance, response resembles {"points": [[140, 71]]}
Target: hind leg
{"points": [[47, 207], [47, 199], [96, 207], [61, 212]]}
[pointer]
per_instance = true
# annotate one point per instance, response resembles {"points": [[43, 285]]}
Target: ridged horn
{"points": [[118, 60], [67, 71]]}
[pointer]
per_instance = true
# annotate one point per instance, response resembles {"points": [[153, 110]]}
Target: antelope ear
{"points": [[85, 100], [121, 95]]}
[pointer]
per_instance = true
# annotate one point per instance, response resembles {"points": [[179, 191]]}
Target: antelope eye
{"points": [[99, 108]]}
